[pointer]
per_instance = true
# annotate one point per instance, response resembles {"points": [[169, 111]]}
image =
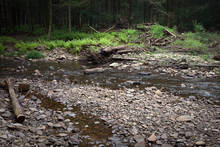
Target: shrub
{"points": [[157, 31], [6, 39], [33, 54], [198, 27]]}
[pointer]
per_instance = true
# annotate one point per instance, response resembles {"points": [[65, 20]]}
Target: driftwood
{"points": [[94, 29], [170, 33], [15, 104], [109, 29], [111, 49], [93, 70]]}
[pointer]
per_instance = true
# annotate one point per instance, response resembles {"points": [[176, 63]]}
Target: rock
{"points": [[74, 140], [140, 144], [158, 92], [3, 136], [62, 134], [114, 65], [164, 136], [152, 138], [166, 145], [188, 135], [37, 73], [33, 109], [59, 125], [2, 110], [61, 57], [50, 124], [23, 87], [144, 73], [51, 68], [217, 57], [17, 126], [200, 143], [96, 122], [139, 138], [183, 85], [60, 118], [184, 118]]}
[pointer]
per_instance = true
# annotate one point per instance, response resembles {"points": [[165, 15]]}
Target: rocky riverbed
{"points": [[125, 117]]}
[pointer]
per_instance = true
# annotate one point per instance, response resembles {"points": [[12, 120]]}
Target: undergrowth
{"points": [[74, 42], [33, 54], [2, 48], [157, 31]]}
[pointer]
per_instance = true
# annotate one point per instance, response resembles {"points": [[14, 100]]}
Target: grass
{"points": [[33, 54], [73, 42]]}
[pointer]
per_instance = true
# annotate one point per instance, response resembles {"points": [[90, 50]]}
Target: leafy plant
{"points": [[157, 31], [33, 54], [198, 27]]}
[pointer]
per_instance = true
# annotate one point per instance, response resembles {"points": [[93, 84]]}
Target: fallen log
{"points": [[94, 70], [170, 33], [113, 49], [15, 104]]}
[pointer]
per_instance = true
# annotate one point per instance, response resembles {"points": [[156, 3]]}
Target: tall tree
{"points": [[50, 19]]}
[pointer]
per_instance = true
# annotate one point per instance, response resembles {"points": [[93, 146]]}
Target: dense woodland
{"points": [[28, 15]]}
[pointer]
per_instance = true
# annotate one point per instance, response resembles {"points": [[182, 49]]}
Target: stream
{"points": [[94, 130], [188, 87]]}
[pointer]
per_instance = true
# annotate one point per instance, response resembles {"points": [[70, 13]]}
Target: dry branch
{"points": [[15, 104], [94, 29], [170, 33]]}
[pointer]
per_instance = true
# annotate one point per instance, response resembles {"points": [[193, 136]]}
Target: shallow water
{"points": [[188, 87]]}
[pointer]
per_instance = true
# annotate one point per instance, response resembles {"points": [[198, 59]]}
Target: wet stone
{"points": [[152, 138], [184, 118], [200, 143], [2, 110], [188, 135]]}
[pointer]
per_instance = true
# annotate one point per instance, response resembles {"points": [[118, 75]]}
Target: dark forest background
{"points": [[18, 15]]}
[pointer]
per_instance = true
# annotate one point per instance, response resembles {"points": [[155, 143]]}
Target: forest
{"points": [[110, 73]]}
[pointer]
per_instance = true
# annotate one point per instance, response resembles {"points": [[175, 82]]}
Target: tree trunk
{"points": [[15, 104], [50, 19], [69, 17]]}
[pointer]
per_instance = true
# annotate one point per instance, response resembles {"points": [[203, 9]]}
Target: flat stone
{"points": [[50, 124], [114, 65], [140, 144], [188, 135], [200, 143], [184, 118], [164, 136], [152, 138], [166, 145], [4, 136], [139, 138], [62, 134], [2, 110]]}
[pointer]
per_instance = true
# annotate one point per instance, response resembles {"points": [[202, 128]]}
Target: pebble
{"points": [[152, 138], [184, 118], [200, 143], [2, 110]]}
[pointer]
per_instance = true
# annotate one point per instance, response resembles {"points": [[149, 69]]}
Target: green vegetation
{"points": [[33, 54], [157, 31], [6, 39], [2, 48], [219, 71]]}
